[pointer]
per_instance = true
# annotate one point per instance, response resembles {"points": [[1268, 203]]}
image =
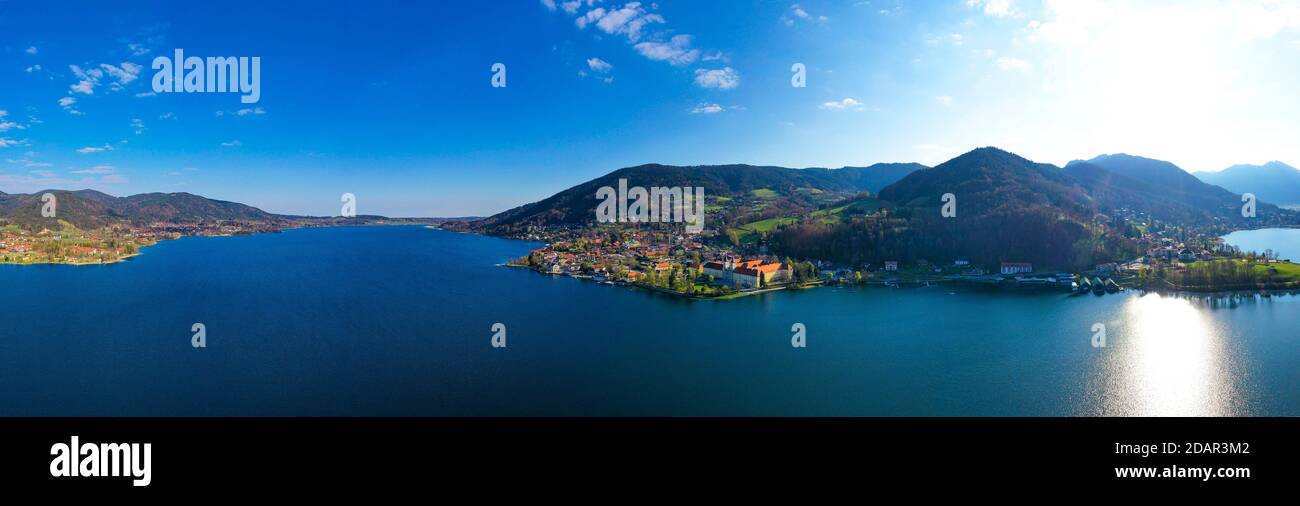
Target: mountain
{"points": [[1007, 209], [1274, 182], [875, 177], [1160, 188], [92, 209], [987, 179], [786, 187]]}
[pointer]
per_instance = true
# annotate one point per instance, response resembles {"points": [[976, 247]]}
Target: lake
{"points": [[398, 321], [1284, 241]]}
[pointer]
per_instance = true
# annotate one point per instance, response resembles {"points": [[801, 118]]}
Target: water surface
{"points": [[397, 321], [1284, 241]]}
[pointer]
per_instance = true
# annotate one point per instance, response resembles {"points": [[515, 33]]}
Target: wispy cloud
{"points": [[724, 78], [710, 108], [92, 149], [98, 169], [797, 13], [231, 144], [599, 65], [633, 21], [68, 103], [676, 51], [995, 8], [119, 76], [840, 105]]}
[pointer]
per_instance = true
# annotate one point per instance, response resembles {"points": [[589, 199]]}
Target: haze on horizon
{"points": [[400, 111]]}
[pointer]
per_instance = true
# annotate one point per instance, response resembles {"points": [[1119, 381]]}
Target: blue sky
{"points": [[392, 101]]}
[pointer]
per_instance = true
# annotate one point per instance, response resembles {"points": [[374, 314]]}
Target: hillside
{"points": [[769, 189], [88, 209], [1162, 189], [1274, 182], [877, 176], [1007, 209]]}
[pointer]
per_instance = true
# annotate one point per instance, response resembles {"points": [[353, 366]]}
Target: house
{"points": [[1107, 267], [1187, 255], [774, 272], [961, 263], [716, 269], [891, 265], [748, 273], [744, 277], [1016, 267]]}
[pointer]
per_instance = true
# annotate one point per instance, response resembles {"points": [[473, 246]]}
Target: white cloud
{"points": [[599, 65], [676, 51], [231, 144], [943, 100], [590, 17], [124, 74], [138, 125], [549, 4], [1013, 64], [247, 111], [839, 105], [34, 68], [86, 87], [98, 169], [67, 104], [797, 13], [6, 142], [627, 20], [88, 79], [92, 149], [707, 109], [724, 78], [997, 8], [631, 20], [31, 50]]}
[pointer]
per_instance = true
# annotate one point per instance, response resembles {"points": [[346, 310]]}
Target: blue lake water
{"points": [[1284, 241], [397, 321]]}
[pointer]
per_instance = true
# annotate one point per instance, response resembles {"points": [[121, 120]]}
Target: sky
{"points": [[394, 101]]}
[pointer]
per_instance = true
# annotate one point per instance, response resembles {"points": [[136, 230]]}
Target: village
{"points": [[705, 266], [70, 245]]}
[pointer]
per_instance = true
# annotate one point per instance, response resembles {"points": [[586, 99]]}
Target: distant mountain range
{"points": [[1008, 208], [90, 209], [93, 209], [1274, 182]]}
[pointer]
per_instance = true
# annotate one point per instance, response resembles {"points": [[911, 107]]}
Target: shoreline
{"points": [[139, 251]]}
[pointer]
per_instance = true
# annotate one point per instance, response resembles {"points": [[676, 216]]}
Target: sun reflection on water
{"points": [[1170, 361]]}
